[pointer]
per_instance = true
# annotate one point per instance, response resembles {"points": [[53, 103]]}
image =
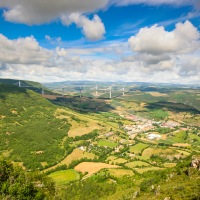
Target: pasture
{"points": [[159, 152], [92, 167], [64, 176], [120, 172], [77, 154], [107, 143], [168, 165], [137, 164], [138, 148], [146, 169]]}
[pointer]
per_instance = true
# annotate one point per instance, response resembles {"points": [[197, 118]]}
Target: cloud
{"points": [[53, 40], [44, 11], [156, 40], [189, 66], [38, 12], [23, 51], [194, 3], [92, 29], [175, 52], [24, 58]]}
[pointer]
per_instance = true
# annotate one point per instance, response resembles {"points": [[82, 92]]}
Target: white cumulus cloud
{"points": [[93, 29], [159, 50], [156, 40], [24, 58], [22, 51], [44, 11], [38, 12]]}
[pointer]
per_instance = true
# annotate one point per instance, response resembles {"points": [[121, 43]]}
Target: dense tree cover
{"points": [[15, 183], [83, 104], [88, 136], [29, 129], [89, 189]]}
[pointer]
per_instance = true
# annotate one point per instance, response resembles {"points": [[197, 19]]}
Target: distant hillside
{"points": [[31, 85], [30, 134], [35, 86]]}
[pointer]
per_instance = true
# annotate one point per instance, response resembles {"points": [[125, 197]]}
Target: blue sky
{"points": [[107, 40]]}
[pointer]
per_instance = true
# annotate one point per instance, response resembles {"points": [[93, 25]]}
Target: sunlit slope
{"points": [[29, 132]]}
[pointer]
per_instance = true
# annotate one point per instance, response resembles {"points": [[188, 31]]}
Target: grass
{"points": [[92, 167], [76, 154], [157, 94], [111, 158], [65, 176], [159, 152], [107, 143], [80, 124], [78, 129], [194, 138], [142, 157], [137, 164], [120, 172], [138, 148], [142, 170], [115, 160], [158, 114], [119, 160], [185, 153], [180, 137], [169, 165]]}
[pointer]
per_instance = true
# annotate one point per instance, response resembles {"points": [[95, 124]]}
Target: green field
{"points": [[179, 137], [65, 176], [107, 143], [137, 164], [146, 169], [158, 114], [138, 148]]}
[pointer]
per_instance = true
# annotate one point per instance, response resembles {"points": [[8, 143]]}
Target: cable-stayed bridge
{"points": [[95, 91]]}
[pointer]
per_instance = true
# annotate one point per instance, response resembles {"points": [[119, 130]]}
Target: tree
{"points": [[16, 183]]}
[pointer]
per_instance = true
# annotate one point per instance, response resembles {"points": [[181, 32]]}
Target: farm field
{"points": [[138, 148], [64, 176], [137, 164], [166, 153], [107, 143], [92, 167], [146, 169], [120, 172], [76, 154]]}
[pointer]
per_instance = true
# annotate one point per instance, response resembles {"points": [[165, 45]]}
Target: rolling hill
{"points": [[30, 133]]}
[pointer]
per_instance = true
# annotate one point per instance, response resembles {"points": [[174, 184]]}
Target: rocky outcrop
{"points": [[196, 163]]}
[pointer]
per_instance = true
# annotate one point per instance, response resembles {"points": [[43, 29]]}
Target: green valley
{"points": [[139, 145]]}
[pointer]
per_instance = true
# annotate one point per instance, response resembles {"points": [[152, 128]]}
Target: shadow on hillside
{"points": [[83, 104], [177, 107], [12, 89]]}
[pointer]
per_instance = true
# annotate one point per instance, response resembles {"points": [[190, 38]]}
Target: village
{"points": [[143, 125]]}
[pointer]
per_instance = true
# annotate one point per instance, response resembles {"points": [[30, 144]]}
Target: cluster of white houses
{"points": [[143, 125]]}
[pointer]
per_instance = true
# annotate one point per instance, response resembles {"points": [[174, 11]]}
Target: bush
{"points": [[18, 184]]}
